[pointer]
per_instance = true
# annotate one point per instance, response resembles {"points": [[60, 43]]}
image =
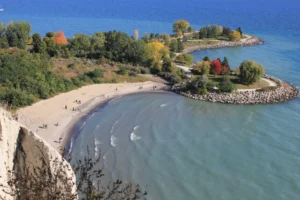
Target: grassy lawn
{"points": [[235, 80], [224, 38], [197, 43]]}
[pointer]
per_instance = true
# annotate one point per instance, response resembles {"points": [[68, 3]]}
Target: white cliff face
{"points": [[21, 148]]}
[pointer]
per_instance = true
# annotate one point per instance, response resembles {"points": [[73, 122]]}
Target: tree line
{"points": [[25, 59]]}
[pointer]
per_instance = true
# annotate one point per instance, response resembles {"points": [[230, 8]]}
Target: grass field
{"points": [[235, 80], [72, 67], [198, 43]]}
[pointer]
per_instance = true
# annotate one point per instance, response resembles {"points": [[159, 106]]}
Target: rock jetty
{"points": [[250, 41], [282, 93]]}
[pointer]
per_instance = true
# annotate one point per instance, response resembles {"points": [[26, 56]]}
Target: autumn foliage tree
{"points": [[234, 36], [155, 52], [180, 26], [216, 67], [60, 38]]}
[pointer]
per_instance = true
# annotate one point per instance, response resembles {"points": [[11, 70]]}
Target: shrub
{"points": [[97, 73], [145, 70], [186, 59], [202, 91], [72, 65], [122, 70], [226, 85]]}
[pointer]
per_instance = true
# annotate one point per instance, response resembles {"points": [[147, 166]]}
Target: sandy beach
{"points": [[61, 112]]}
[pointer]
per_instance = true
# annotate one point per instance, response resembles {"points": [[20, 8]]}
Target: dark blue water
{"points": [[180, 148]]}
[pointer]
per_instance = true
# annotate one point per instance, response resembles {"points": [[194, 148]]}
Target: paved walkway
{"points": [[271, 83]]}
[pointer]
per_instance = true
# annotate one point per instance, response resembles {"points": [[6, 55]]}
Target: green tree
{"points": [[51, 46], [206, 58], [174, 46], [181, 26], [226, 31], [225, 62], [203, 33], [17, 34], [51, 34], [250, 72], [226, 85], [215, 31], [199, 85], [39, 46], [186, 59], [167, 65], [239, 29], [180, 45]]}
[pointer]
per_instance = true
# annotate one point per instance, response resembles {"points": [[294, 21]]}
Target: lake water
{"points": [[178, 148]]}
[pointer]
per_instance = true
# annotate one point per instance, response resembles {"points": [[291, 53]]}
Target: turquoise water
{"points": [[178, 148]]}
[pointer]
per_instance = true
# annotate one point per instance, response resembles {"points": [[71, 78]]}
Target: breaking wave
{"points": [[113, 140]]}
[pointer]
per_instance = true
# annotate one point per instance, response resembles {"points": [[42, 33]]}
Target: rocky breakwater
{"points": [[282, 93], [249, 41], [22, 150]]}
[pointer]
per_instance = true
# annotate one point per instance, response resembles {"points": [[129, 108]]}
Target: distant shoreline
{"points": [[248, 41]]}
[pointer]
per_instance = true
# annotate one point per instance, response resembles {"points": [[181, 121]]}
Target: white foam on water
{"points": [[163, 105], [113, 127], [96, 151], [113, 140], [134, 137], [71, 146], [97, 142], [104, 157], [136, 127], [82, 125]]}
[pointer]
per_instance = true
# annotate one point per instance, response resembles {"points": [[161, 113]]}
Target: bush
{"points": [[72, 65], [202, 91], [97, 73], [172, 78], [145, 70], [251, 72], [17, 98], [226, 85], [131, 73], [122, 70], [186, 59]]}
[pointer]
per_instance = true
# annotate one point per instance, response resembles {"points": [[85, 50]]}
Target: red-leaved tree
{"points": [[60, 38], [216, 67]]}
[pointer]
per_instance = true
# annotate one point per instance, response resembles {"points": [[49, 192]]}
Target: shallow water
{"points": [[180, 148]]}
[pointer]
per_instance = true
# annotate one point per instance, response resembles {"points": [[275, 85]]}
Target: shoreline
{"points": [[52, 111], [248, 41], [278, 94], [78, 124]]}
